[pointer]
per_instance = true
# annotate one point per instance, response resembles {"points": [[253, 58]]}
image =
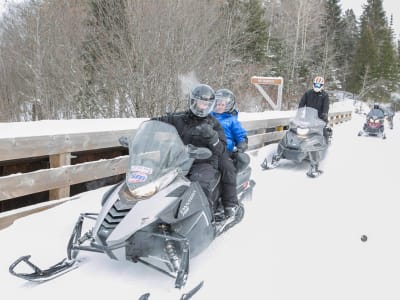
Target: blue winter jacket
{"points": [[234, 131]]}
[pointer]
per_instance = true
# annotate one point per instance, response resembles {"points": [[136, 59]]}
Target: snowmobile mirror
{"points": [[198, 152], [123, 140]]}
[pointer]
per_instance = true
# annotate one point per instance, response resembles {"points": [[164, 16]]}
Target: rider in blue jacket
{"points": [[227, 115]]}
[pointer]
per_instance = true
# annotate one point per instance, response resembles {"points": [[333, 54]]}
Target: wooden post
{"points": [[56, 161]]}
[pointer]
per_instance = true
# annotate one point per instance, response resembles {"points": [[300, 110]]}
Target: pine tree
{"points": [[350, 36], [374, 64], [251, 42]]}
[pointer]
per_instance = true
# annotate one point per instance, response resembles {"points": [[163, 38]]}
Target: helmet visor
{"points": [[201, 108], [220, 106], [318, 85]]}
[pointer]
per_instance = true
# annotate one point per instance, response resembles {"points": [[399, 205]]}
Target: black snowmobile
{"points": [[156, 216], [374, 124], [304, 140]]}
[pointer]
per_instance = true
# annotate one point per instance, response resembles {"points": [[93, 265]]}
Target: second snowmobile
{"points": [[304, 140], [156, 216], [374, 123]]}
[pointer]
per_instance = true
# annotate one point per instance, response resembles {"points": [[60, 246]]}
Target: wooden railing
{"points": [[61, 174]]}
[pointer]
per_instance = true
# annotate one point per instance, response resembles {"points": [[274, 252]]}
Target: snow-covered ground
{"points": [[299, 239]]}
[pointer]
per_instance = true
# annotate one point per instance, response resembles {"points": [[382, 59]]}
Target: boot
{"points": [[314, 171], [230, 211], [274, 163]]}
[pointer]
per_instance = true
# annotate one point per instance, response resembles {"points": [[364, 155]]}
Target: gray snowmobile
{"points": [[304, 140], [156, 216]]}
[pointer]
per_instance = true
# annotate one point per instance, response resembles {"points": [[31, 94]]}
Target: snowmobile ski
{"points": [[193, 291], [272, 165], [40, 275]]}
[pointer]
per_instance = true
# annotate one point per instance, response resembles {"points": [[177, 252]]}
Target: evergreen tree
{"points": [[374, 66], [251, 42], [328, 54], [350, 36], [334, 26]]}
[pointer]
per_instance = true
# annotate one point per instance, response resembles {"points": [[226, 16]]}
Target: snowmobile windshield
{"points": [[307, 117], [377, 113], [155, 150]]}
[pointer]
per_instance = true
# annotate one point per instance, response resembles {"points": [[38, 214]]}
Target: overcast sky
{"points": [[391, 7]]}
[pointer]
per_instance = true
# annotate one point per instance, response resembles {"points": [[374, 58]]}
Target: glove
{"points": [[208, 134], [242, 146], [324, 117]]}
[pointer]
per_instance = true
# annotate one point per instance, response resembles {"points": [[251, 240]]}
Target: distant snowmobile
{"points": [[374, 124], [156, 216], [304, 140]]}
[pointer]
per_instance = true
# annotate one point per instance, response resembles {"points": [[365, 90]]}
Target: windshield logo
{"points": [[185, 208], [137, 177]]}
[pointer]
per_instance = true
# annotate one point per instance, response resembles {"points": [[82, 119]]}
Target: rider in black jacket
{"points": [[197, 127], [319, 99]]}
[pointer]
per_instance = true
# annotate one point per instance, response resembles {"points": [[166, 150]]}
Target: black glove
{"points": [[242, 146], [324, 117], [208, 134]]}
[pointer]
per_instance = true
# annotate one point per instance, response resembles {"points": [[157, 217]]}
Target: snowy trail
{"points": [[300, 238]]}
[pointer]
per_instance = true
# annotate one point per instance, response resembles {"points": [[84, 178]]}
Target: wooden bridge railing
{"points": [[61, 174]]}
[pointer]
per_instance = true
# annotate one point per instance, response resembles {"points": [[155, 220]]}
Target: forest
{"points": [[72, 59]]}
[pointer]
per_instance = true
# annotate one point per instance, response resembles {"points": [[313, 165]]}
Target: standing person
{"points": [[197, 127], [227, 115]]}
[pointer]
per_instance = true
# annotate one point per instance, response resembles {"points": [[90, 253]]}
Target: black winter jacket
{"points": [[319, 101], [186, 123]]}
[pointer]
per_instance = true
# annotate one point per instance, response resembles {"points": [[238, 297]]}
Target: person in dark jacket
{"points": [[319, 99], [197, 127], [227, 115]]}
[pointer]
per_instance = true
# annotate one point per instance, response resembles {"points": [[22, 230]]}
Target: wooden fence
{"points": [[61, 174]]}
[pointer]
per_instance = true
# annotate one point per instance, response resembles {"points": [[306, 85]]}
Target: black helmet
{"points": [[226, 96], [202, 100], [376, 106]]}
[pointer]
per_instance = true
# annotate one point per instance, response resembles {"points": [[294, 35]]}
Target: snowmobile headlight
{"points": [[302, 131], [151, 188]]}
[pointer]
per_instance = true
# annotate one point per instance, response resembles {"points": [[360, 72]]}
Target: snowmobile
{"points": [[374, 124], [156, 215], [304, 140]]}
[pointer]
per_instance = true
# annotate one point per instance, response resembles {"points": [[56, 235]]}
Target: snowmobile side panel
{"points": [[145, 212]]}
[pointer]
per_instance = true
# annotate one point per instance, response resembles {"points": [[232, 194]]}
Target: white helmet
{"points": [[318, 84]]}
